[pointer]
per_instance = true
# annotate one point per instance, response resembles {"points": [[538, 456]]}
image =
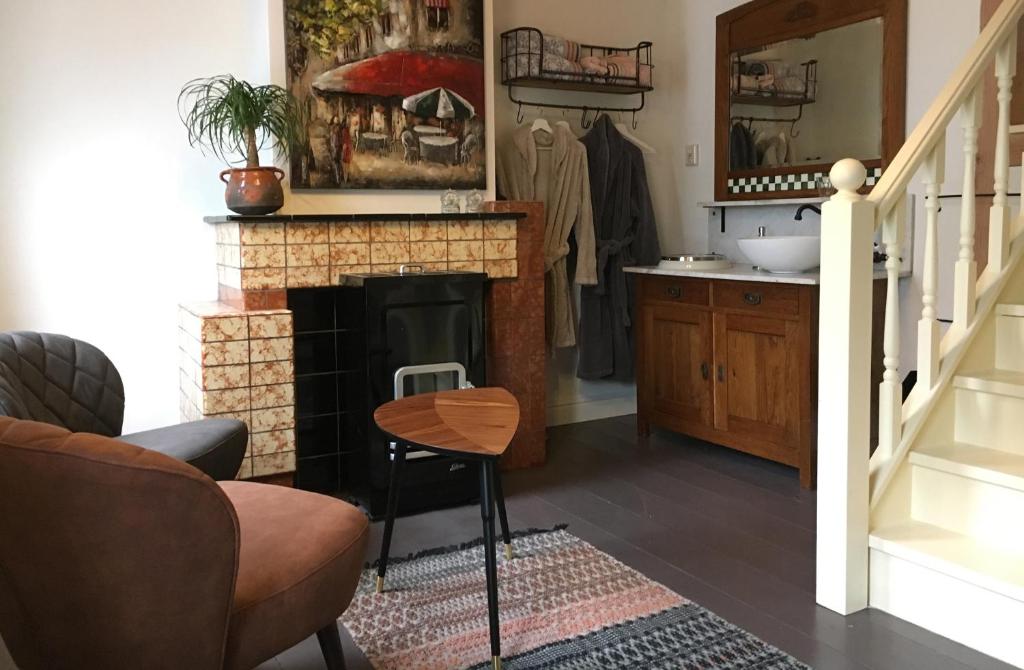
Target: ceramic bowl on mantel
{"points": [[791, 254]]}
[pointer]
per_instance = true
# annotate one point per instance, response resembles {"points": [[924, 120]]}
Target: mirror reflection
{"points": [[788, 99]]}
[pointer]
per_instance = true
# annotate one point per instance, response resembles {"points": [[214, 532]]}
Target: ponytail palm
{"points": [[229, 117]]}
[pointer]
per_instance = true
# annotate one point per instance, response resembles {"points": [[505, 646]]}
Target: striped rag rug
{"points": [[563, 604]]}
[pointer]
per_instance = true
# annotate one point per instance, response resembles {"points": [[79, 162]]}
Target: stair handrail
{"points": [[849, 482], [932, 127]]}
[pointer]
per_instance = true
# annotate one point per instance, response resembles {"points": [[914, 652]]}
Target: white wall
{"points": [[101, 220]]}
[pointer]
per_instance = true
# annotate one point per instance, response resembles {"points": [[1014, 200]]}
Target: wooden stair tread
{"points": [[983, 464], [478, 421], [953, 554], [1000, 382]]}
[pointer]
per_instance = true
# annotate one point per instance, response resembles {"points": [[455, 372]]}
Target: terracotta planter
{"points": [[253, 190]]}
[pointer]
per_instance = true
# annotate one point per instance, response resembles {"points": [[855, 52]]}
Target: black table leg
{"points": [[394, 488], [499, 496], [490, 561]]}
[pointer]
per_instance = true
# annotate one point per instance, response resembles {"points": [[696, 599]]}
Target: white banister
{"points": [[847, 230], [890, 398], [849, 482], [899, 173], [999, 214], [965, 277], [928, 326]]}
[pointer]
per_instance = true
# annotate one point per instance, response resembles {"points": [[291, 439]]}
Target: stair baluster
{"points": [[999, 214], [965, 279], [890, 398], [928, 327]]}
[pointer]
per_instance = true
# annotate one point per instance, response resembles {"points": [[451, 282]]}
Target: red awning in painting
{"points": [[404, 73], [441, 4]]}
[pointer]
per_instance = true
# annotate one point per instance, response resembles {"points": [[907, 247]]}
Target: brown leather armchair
{"points": [[72, 384], [113, 556]]}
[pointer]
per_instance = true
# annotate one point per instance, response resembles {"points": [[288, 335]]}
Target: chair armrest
{"points": [[214, 446]]}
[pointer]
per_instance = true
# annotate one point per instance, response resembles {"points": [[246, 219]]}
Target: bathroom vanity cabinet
{"points": [[733, 363]]}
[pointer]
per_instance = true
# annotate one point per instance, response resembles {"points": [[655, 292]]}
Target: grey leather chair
{"points": [[62, 381]]}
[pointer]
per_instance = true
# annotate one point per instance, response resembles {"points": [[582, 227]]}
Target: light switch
{"points": [[692, 155]]}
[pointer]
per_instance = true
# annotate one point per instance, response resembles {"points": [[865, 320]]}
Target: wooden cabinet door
{"points": [[759, 364], [676, 357]]}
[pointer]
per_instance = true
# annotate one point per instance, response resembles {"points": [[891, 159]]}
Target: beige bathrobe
{"points": [[563, 185]]}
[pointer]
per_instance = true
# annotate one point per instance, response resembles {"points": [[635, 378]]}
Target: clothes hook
{"points": [[583, 120], [636, 124], [519, 115], [793, 132]]}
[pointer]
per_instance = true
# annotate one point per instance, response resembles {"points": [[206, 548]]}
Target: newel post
{"points": [[844, 378]]}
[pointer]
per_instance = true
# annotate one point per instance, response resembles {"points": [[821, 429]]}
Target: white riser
{"points": [[990, 420], [969, 614], [987, 512], [1010, 342]]}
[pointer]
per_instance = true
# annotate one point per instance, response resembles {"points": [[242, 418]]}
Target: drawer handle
{"points": [[752, 298], [721, 374], [674, 292], [704, 371]]}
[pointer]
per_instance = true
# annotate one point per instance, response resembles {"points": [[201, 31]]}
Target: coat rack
{"points": [[586, 122], [793, 132]]}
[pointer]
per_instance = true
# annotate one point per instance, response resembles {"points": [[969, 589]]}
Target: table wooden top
{"points": [[471, 421]]}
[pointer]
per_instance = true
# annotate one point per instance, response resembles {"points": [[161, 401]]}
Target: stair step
{"points": [[1010, 310], [983, 396], [951, 585], [998, 382], [970, 490], [991, 466], [953, 554]]}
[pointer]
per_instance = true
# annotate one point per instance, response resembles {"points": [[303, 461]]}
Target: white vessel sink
{"points": [[784, 255]]}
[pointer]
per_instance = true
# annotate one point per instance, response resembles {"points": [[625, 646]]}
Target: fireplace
{"points": [[239, 355], [349, 342]]}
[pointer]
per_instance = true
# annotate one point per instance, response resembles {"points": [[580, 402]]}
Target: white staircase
{"points": [[947, 547], [930, 527]]}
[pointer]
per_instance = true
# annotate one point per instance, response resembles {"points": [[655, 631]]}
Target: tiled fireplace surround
{"points": [[237, 357]]}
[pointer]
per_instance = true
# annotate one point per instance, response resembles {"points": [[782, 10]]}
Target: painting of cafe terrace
{"points": [[399, 104]]}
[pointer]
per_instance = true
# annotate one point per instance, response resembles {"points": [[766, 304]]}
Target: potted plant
{"points": [[232, 118]]}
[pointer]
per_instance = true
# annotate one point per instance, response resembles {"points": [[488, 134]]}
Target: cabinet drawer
{"points": [[675, 289], [757, 298]]}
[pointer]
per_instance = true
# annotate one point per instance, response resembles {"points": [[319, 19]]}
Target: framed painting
{"points": [[392, 93]]}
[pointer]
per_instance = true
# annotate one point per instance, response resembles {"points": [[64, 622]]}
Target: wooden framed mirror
{"points": [[801, 84]]}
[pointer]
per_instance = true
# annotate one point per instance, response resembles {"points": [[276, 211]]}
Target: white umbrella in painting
{"points": [[439, 103]]}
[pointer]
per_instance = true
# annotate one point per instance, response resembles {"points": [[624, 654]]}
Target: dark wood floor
{"points": [[731, 532]]}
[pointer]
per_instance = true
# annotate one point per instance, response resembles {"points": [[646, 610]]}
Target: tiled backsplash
{"points": [[237, 355]]}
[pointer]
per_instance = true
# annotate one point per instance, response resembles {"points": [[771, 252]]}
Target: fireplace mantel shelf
{"points": [[342, 218]]}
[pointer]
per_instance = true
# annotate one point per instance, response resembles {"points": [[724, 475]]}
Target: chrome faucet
{"points": [[803, 208]]}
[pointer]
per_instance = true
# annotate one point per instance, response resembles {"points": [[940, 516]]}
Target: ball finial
{"points": [[847, 176]]}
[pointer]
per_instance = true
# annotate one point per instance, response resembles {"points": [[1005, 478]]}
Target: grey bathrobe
{"points": [[626, 235], [567, 205]]}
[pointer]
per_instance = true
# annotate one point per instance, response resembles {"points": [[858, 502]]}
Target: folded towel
{"points": [[559, 56], [626, 67], [595, 65]]}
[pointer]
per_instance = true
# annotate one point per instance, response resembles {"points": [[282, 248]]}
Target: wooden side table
{"points": [[475, 424]]}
